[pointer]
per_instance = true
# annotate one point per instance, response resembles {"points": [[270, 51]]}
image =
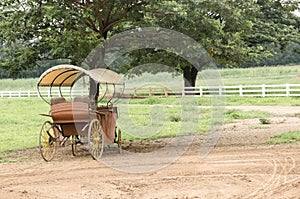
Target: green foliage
{"points": [[275, 27], [233, 32], [264, 121], [234, 114], [289, 137], [36, 30], [175, 118]]}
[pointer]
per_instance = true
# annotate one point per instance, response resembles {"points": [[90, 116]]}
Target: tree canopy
{"points": [[233, 32], [35, 30]]}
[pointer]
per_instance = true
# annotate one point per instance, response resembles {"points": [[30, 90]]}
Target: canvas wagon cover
{"points": [[67, 75]]}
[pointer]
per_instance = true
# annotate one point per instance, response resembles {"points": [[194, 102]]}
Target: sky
{"points": [[297, 12]]}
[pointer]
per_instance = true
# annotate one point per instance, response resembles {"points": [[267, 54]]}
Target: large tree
{"points": [[233, 32], [43, 30], [275, 29], [219, 26]]}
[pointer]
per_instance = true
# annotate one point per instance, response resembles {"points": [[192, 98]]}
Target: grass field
{"points": [[261, 75], [20, 122], [248, 76]]}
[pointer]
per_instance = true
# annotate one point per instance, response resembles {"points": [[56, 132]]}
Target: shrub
{"points": [[264, 121]]}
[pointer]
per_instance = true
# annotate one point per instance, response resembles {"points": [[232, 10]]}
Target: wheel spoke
{"points": [[47, 141], [95, 139]]}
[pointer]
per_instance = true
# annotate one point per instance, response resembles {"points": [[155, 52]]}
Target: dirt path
{"points": [[264, 172], [241, 166]]}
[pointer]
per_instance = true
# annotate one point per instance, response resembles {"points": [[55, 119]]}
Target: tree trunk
{"points": [[190, 76]]}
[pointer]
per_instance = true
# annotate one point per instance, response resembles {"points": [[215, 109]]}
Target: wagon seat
{"points": [[72, 116]]}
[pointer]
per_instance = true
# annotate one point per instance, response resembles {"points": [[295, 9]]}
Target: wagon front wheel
{"points": [[95, 139], [47, 140]]}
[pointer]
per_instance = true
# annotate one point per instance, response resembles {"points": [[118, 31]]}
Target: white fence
{"points": [[283, 90], [35, 93]]}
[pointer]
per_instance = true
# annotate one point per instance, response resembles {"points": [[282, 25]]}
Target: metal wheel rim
{"points": [[47, 141], [95, 139]]}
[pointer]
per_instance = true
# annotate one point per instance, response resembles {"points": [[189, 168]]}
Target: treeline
{"points": [[287, 56], [36, 71], [290, 56]]}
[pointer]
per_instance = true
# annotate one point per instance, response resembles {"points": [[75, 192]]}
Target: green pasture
{"points": [[229, 77], [20, 121], [261, 75], [18, 84]]}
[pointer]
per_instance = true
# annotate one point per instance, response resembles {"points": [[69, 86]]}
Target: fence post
{"points": [[263, 90], [241, 90], [183, 91], [166, 91], [201, 91], [220, 90], [287, 87]]}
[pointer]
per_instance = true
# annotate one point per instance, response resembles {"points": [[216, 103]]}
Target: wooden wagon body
{"points": [[81, 119]]}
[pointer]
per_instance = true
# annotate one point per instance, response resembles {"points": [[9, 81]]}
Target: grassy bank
{"points": [[289, 137]]}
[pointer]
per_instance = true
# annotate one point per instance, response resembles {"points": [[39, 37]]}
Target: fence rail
{"points": [[35, 93], [283, 90]]}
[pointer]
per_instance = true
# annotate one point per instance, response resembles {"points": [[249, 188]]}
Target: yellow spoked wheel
{"points": [[119, 141], [74, 145], [49, 136], [95, 139]]}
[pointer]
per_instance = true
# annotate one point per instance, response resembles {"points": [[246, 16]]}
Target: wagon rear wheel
{"points": [[119, 140], [49, 135], [74, 145], [95, 139]]}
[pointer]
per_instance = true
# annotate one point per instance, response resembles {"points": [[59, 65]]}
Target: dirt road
{"points": [[231, 172], [240, 166]]}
